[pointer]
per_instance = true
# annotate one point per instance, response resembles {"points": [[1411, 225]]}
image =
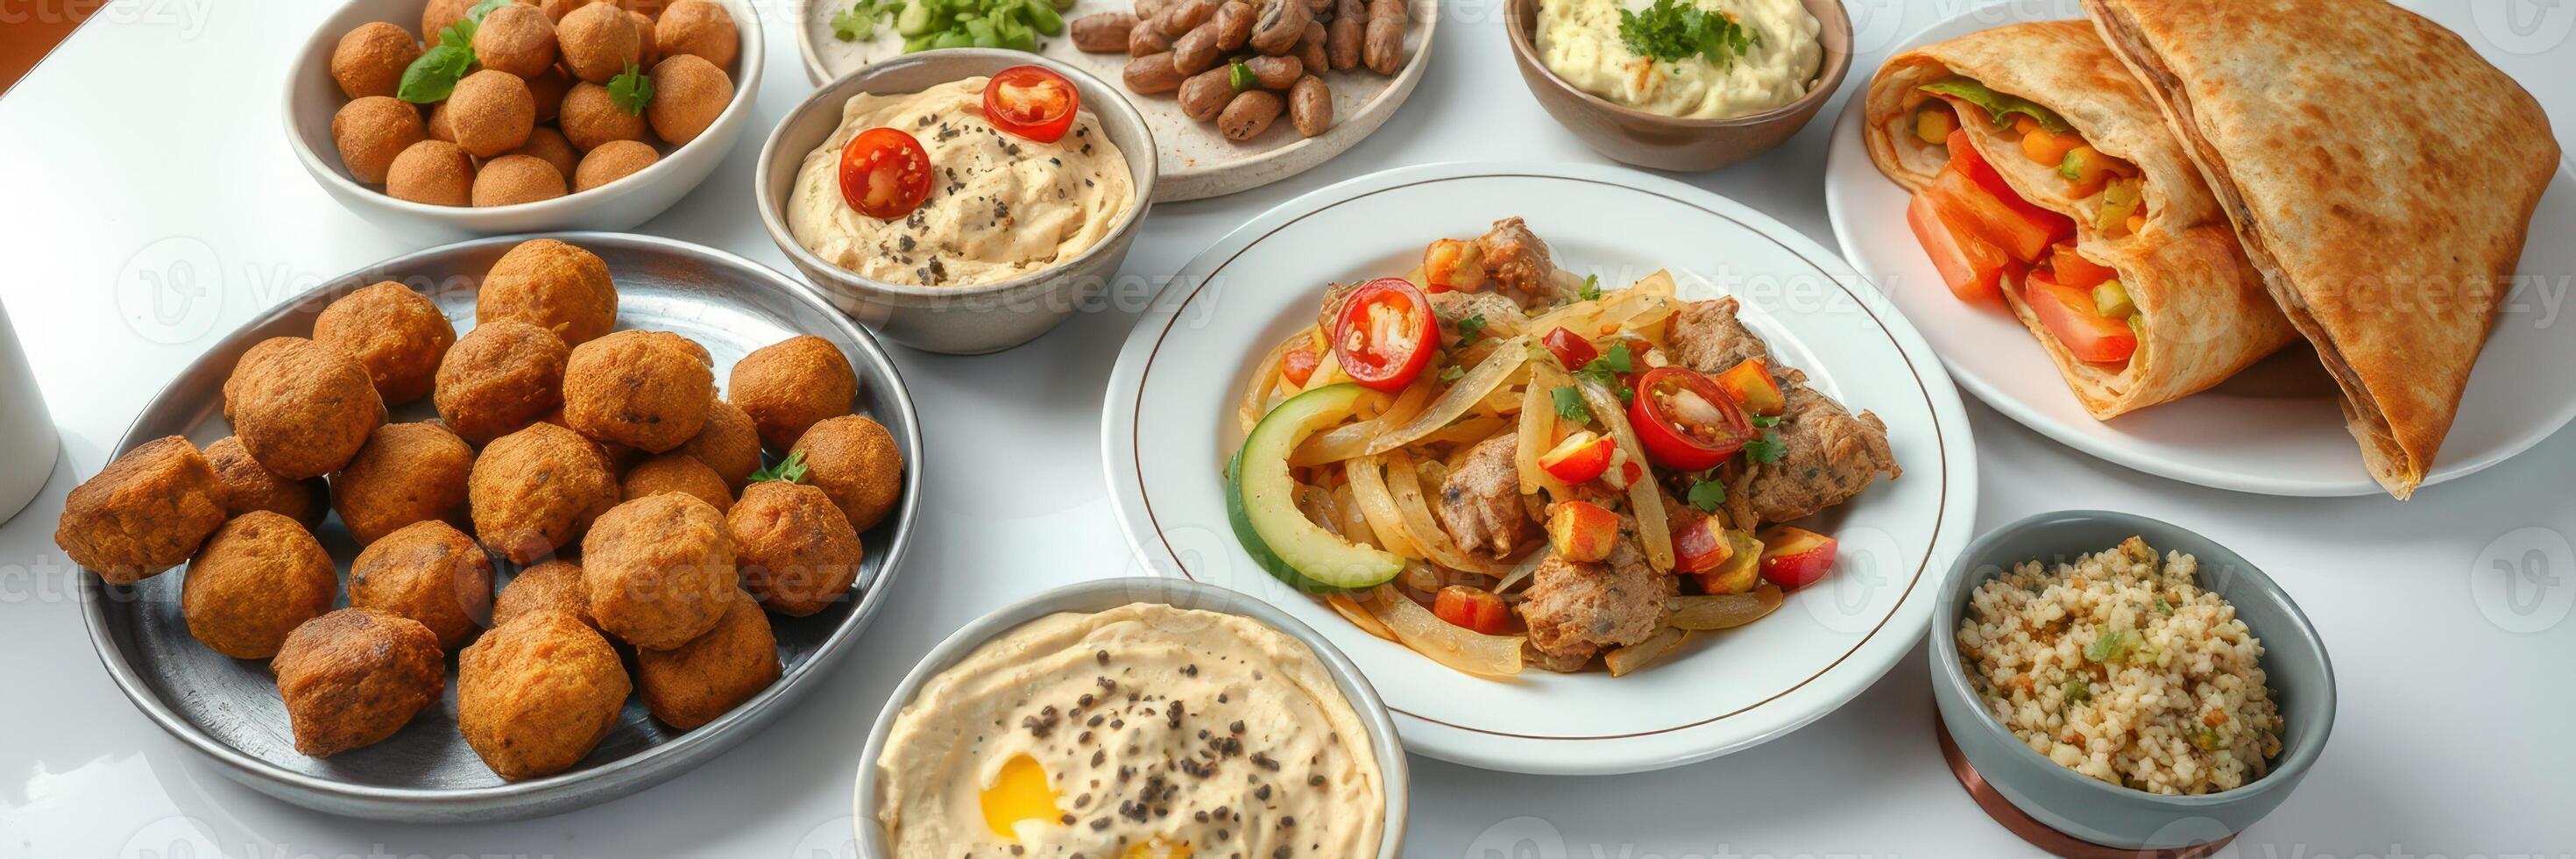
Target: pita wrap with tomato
{"points": [[2381, 175], [2083, 183]]}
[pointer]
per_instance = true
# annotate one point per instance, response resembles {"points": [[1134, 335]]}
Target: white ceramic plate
{"points": [[2273, 429], [1197, 162], [1169, 425]]}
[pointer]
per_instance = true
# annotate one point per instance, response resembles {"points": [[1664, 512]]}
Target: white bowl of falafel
{"points": [[464, 117]]}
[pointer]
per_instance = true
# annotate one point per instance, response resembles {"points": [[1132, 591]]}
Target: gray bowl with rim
{"points": [[958, 320], [1103, 595], [2294, 661]]}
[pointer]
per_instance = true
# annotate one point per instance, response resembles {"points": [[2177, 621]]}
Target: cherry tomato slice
{"points": [[1031, 102], [885, 174], [1570, 348], [1471, 608], [1685, 421], [1385, 334], [1299, 365]]}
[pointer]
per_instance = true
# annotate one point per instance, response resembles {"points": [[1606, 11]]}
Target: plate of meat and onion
{"points": [[1582, 494]]}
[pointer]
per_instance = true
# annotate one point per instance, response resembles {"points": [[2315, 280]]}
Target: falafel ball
{"points": [[692, 684], [243, 485], [854, 460], [353, 677], [681, 473], [144, 513], [407, 473], [591, 118], [548, 88], [440, 13], [552, 285], [371, 132], [370, 59], [620, 457], [398, 335], [697, 28], [438, 125], [301, 408], [611, 161], [557, 9], [513, 179], [688, 94], [549, 145], [637, 389], [728, 443], [258, 578], [797, 552], [502, 375], [492, 112], [550, 586], [535, 696], [434, 172], [788, 386], [516, 39], [659, 570], [646, 53], [429, 572], [599, 41], [537, 490]]}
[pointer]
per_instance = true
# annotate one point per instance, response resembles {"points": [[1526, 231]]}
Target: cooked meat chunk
{"points": [[1708, 338], [1517, 263], [1831, 455], [1575, 610], [1480, 503]]}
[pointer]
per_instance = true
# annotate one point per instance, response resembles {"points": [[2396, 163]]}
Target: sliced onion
{"points": [[1724, 611], [1538, 430], [1471, 389], [1265, 379], [1528, 566], [1454, 646], [1352, 611], [1405, 483], [1353, 439], [1466, 430], [1645, 502], [1378, 506], [1632, 657]]}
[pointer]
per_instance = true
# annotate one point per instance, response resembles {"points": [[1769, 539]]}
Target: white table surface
{"points": [[148, 147]]}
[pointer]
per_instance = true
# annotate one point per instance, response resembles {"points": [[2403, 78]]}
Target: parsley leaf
{"points": [[432, 77], [1569, 404], [630, 90], [1607, 368], [1470, 328], [1674, 30], [1766, 421], [1591, 290], [789, 470], [1706, 495], [1767, 449], [1452, 373], [857, 23]]}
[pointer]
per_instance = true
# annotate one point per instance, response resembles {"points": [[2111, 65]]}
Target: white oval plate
{"points": [[2274, 429], [1169, 425], [1197, 162]]}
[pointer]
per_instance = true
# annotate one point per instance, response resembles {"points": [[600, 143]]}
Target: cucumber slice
{"points": [[1260, 502], [913, 19]]}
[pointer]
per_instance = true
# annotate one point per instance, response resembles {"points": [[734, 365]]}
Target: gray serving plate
{"points": [[1105, 594], [228, 708], [2294, 661]]}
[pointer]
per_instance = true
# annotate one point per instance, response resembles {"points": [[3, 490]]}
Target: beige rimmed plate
{"points": [[1197, 162]]}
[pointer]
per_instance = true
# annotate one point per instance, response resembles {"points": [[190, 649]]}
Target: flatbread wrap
{"points": [[2380, 174], [2106, 243]]}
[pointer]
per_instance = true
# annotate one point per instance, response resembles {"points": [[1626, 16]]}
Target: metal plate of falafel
{"points": [[502, 528]]}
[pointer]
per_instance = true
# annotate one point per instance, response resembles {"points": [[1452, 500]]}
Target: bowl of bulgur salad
{"points": [[2126, 681]]}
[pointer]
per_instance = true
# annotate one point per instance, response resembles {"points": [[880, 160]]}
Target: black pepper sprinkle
{"points": [[1191, 670], [1261, 793], [1314, 781]]}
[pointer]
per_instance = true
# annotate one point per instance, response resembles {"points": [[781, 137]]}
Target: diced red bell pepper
{"points": [[1569, 348], [2069, 315], [1582, 531], [1580, 457], [1701, 546], [1450, 264], [1749, 382], [1472, 608]]}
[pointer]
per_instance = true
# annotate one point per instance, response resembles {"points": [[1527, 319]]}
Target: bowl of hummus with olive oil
{"points": [[1681, 84], [1136, 718]]}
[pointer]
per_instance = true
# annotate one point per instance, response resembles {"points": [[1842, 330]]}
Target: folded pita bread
{"points": [[2380, 174], [2203, 315]]}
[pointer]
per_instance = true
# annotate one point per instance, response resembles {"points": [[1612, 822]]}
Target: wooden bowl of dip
{"points": [[1669, 143]]}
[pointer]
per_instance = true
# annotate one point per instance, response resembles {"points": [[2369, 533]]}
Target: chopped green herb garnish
{"points": [[1591, 289], [1607, 368], [1452, 373], [2162, 607], [1569, 404], [630, 90], [1469, 328], [789, 470], [859, 22], [1675, 30], [2108, 646], [1766, 421], [1706, 495], [433, 76], [2078, 691], [1767, 449]]}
